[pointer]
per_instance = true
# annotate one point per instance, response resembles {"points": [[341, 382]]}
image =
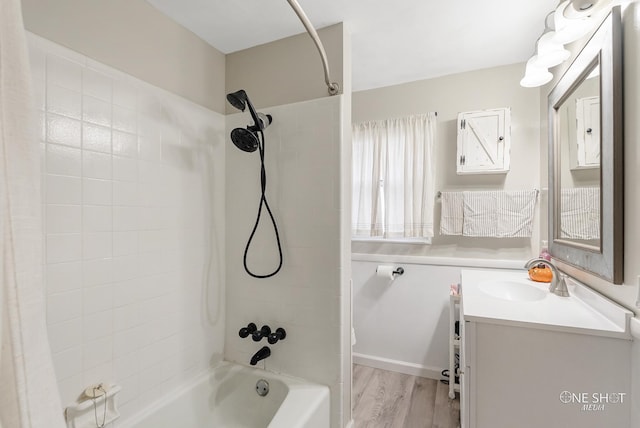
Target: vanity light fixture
{"points": [[584, 8], [548, 52], [572, 20], [570, 29], [535, 75]]}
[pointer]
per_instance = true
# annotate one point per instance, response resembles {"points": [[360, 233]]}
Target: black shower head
{"points": [[245, 140], [241, 101], [238, 99]]}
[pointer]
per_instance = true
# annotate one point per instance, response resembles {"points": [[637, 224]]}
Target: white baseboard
{"points": [[397, 366]]}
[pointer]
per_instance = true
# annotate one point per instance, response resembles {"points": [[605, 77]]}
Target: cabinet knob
{"points": [[589, 130]]}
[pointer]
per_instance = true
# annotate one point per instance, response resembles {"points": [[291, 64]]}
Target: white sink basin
{"points": [[508, 297], [512, 290]]}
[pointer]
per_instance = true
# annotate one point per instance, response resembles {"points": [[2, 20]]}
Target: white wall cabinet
{"points": [[484, 141], [587, 133]]}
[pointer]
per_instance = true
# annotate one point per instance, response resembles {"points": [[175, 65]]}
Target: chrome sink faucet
{"points": [[558, 284]]}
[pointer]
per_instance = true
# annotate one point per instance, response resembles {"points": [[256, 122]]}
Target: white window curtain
{"points": [[394, 178]]}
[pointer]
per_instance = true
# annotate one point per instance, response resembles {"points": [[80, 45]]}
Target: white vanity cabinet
{"points": [[531, 374]]}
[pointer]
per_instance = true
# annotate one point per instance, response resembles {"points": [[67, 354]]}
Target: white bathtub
{"points": [[227, 398]]}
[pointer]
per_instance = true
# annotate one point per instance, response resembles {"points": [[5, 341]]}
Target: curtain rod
{"points": [[332, 87]]}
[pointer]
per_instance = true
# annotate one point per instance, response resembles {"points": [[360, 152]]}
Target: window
{"points": [[394, 178]]}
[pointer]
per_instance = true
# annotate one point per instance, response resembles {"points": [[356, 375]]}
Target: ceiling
{"points": [[392, 41]]}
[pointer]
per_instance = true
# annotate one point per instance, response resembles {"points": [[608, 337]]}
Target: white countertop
{"points": [[584, 312]]}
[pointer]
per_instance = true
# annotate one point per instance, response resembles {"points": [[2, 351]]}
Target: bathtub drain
{"points": [[262, 387]]}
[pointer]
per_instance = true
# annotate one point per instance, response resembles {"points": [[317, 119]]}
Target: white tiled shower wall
{"points": [[133, 189], [303, 148]]}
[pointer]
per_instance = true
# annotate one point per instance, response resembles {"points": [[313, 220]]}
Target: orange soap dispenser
{"points": [[540, 273]]}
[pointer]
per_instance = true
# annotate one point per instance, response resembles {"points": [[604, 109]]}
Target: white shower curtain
{"points": [[28, 391], [394, 177]]}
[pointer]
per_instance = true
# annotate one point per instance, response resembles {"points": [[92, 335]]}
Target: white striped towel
{"points": [[451, 213], [515, 213], [499, 214], [580, 213], [480, 213]]}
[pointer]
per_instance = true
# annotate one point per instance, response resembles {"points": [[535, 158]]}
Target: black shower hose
{"points": [[263, 202]]}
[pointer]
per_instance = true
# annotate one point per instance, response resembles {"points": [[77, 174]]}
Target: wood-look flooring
{"points": [[383, 399]]}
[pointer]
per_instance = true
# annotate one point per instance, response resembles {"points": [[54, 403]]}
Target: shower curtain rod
{"points": [[333, 87]]}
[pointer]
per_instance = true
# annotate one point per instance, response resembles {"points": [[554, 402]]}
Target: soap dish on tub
{"points": [[98, 407]]}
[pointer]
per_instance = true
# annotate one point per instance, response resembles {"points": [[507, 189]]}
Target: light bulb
{"points": [[570, 30], [549, 53], [583, 8], [535, 76]]}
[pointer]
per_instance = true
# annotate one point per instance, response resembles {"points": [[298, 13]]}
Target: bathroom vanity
{"points": [[531, 359]]}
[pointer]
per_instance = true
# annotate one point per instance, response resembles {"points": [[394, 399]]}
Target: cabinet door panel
{"points": [[483, 141], [588, 132], [467, 379]]}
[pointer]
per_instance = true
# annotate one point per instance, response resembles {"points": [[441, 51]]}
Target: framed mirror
{"points": [[585, 157]]}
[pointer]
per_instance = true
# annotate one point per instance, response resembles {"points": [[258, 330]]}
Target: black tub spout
{"points": [[263, 353]]}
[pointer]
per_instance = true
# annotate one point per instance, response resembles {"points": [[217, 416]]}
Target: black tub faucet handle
{"points": [[257, 335], [246, 331], [279, 334]]}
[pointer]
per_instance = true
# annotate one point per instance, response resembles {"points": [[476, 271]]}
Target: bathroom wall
{"points": [[420, 335], [289, 70], [134, 37], [403, 325], [631, 90], [449, 95], [415, 343], [346, 302], [133, 188], [308, 168], [305, 184], [632, 193], [164, 54]]}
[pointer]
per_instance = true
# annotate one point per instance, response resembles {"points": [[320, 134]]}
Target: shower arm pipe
{"points": [[333, 87]]}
